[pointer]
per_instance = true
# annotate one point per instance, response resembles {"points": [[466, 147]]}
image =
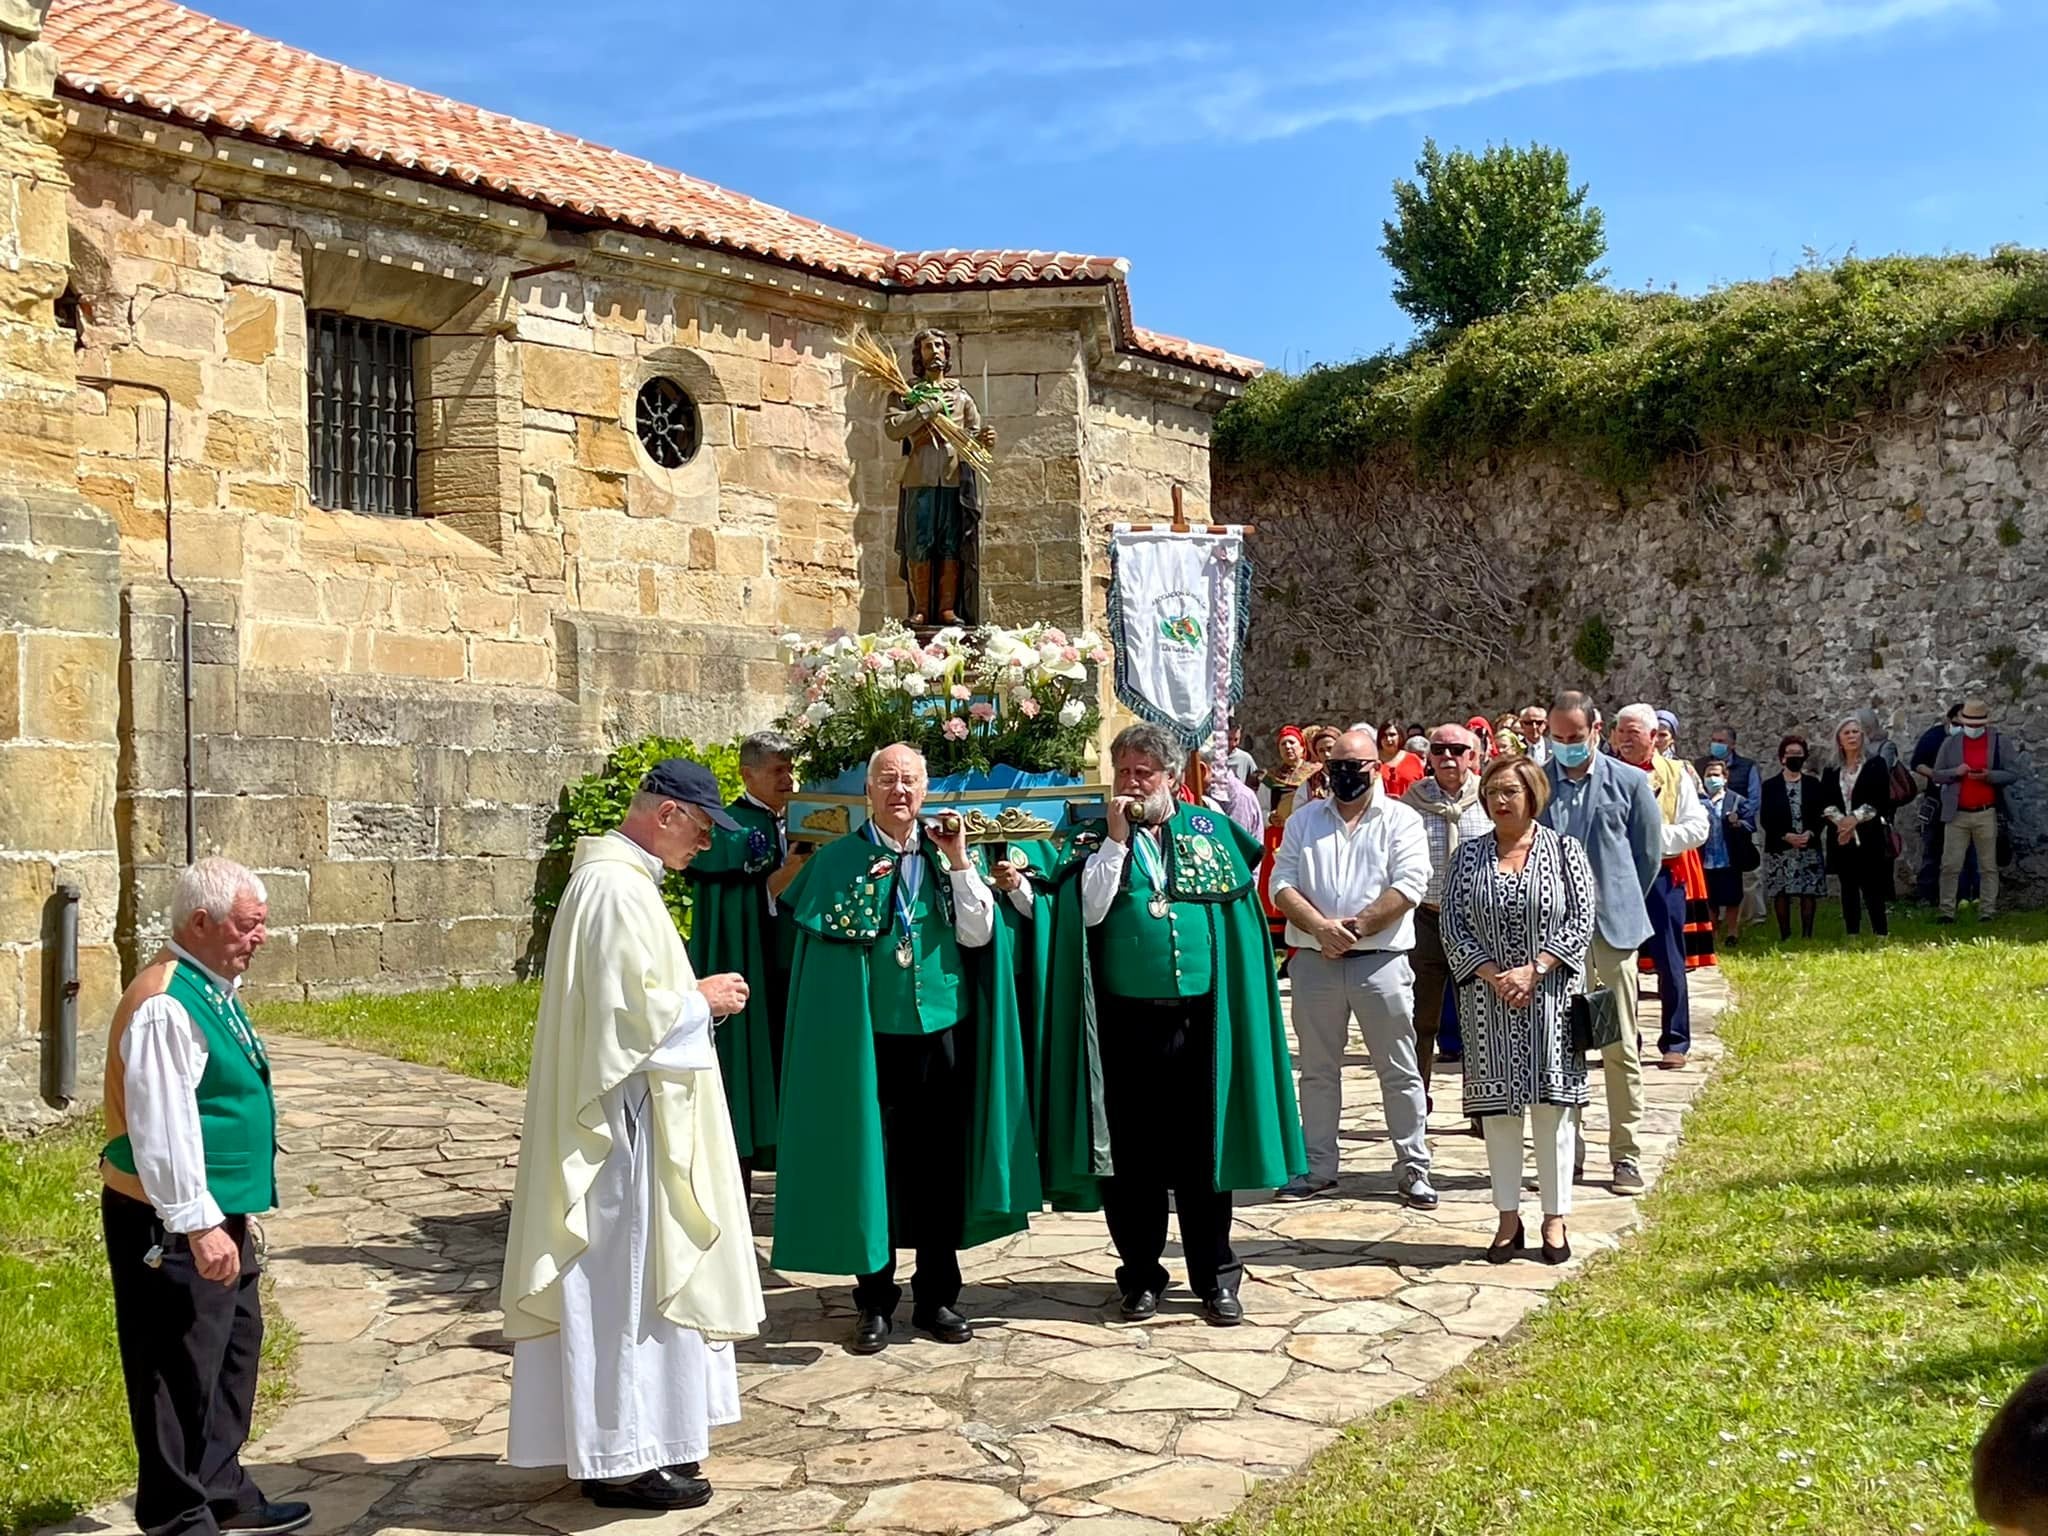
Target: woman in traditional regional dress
{"points": [[1517, 921]]}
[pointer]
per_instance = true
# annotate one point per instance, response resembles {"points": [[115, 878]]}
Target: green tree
{"points": [[1475, 235]]}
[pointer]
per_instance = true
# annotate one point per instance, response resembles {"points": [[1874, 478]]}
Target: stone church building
{"points": [[370, 464]]}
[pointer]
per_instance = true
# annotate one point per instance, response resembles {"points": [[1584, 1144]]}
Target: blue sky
{"points": [[1240, 154]]}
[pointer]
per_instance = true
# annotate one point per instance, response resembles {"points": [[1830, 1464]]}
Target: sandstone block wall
{"points": [[1898, 565], [384, 710]]}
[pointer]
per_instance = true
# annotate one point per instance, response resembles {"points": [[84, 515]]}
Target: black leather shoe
{"points": [[1139, 1306], [1500, 1250], [870, 1334], [1223, 1309], [945, 1325], [269, 1519], [654, 1489], [1561, 1252]]}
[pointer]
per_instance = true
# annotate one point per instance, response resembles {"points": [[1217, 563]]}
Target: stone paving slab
{"points": [[1057, 1417]]}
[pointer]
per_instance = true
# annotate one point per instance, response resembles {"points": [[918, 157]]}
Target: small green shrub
{"points": [[1593, 648], [596, 803], [2009, 531]]}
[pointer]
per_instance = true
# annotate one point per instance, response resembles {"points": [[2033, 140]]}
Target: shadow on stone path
{"points": [[386, 1258]]}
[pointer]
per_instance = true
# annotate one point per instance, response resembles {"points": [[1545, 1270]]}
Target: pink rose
{"points": [[873, 662], [1101, 656], [900, 656], [1070, 654], [1029, 708], [813, 694], [962, 692], [955, 729], [1055, 637], [799, 674], [984, 711]]}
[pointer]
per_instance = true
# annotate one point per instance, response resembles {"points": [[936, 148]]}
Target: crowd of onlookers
{"points": [[1488, 891], [1779, 834]]}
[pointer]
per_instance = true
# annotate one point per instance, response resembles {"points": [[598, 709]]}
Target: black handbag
{"points": [[1595, 1020]]}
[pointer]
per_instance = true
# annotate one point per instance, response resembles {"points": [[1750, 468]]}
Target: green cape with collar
{"points": [[1258, 1127], [831, 1189], [730, 930]]}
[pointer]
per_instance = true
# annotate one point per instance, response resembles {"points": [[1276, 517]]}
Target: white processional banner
{"points": [[1178, 611]]}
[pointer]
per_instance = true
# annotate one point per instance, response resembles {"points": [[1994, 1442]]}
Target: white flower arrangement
{"points": [[1021, 698]]}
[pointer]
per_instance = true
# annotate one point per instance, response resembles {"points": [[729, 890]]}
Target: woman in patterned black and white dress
{"points": [[1517, 920]]}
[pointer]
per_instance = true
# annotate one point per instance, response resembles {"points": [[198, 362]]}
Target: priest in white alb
{"points": [[629, 1270]]}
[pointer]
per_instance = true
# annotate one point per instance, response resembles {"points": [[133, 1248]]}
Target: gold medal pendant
{"points": [[906, 956], [1157, 905]]}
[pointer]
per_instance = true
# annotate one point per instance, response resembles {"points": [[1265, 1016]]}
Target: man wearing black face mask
{"points": [[1348, 876]]}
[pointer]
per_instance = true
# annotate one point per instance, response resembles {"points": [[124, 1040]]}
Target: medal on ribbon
{"points": [[909, 881], [1154, 869]]}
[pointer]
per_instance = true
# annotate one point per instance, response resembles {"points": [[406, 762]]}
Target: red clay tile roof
{"points": [[156, 57]]}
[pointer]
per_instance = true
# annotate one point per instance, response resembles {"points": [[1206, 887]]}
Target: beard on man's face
{"points": [[1157, 807]]}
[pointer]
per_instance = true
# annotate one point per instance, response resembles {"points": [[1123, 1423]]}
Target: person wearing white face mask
{"points": [[1970, 768], [1729, 852]]}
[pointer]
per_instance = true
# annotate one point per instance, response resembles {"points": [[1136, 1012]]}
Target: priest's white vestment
{"points": [[630, 1266]]}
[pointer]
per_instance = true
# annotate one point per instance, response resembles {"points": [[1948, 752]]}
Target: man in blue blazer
{"points": [[1611, 809]]}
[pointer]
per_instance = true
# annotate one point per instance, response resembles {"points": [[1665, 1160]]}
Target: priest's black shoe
{"points": [[1223, 1309], [657, 1488], [944, 1324], [1139, 1306], [870, 1334], [269, 1519]]}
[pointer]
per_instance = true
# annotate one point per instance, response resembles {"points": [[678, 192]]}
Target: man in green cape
{"points": [[1166, 1063], [906, 1121], [737, 924]]}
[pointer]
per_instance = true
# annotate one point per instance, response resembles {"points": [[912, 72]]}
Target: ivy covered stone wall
{"points": [[1897, 560]]}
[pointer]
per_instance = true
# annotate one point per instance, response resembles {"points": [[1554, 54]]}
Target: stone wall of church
{"points": [[384, 710], [1899, 564]]}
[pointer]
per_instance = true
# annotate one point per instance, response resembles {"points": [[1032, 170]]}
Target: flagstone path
{"points": [[386, 1260]]}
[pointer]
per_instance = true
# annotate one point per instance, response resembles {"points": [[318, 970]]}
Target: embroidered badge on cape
{"points": [[1202, 824]]}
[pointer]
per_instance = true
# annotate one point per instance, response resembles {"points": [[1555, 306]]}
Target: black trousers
{"points": [[189, 1349], [1432, 980], [1159, 1086], [925, 1084]]}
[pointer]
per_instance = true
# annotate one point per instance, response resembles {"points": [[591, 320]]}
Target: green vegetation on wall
{"points": [[1619, 382]]}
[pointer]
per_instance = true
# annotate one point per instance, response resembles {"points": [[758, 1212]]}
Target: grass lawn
{"points": [[64, 1442], [484, 1032], [1846, 1269]]}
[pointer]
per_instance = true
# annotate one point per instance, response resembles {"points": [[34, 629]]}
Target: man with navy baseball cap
{"points": [[629, 1268]]}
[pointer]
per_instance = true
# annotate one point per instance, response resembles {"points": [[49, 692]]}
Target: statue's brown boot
{"points": [[949, 591], [920, 590]]}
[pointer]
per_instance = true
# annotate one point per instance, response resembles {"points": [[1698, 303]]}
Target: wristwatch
{"points": [[1542, 968]]}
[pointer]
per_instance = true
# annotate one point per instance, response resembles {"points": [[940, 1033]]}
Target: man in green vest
{"points": [[906, 1120], [189, 1160], [737, 924], [1167, 1059]]}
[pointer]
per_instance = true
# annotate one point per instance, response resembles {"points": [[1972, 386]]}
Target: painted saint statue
{"points": [[938, 504]]}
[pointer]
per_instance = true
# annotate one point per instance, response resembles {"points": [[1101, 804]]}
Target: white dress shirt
{"points": [[163, 1056], [974, 904], [1103, 875], [687, 1047], [1690, 830], [1342, 867]]}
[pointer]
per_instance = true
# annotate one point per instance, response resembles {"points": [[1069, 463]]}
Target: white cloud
{"points": [[970, 98]]}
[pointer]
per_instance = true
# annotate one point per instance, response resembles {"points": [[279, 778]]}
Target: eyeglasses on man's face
{"points": [[1448, 749]]}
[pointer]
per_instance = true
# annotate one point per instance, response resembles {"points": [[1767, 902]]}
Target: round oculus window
{"points": [[665, 417]]}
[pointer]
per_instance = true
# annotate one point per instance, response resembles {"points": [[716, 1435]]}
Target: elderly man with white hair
{"points": [[189, 1161], [906, 1122]]}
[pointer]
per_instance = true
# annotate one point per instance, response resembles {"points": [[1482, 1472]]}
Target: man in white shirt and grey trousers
{"points": [[1348, 875]]}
